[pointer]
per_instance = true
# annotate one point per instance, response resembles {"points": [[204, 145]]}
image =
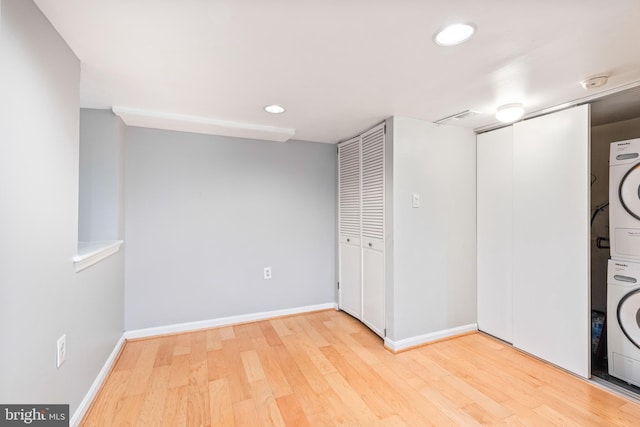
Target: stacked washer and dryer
{"points": [[623, 272]]}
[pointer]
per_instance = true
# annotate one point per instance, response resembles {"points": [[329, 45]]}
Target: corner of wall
{"points": [[389, 227]]}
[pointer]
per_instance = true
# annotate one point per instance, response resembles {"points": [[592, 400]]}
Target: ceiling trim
{"points": [[197, 124], [563, 106]]}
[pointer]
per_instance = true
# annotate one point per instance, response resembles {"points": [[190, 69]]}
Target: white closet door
{"points": [[494, 222], [373, 229], [373, 289], [551, 238], [349, 220]]}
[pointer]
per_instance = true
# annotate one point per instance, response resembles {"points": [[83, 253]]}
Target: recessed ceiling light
{"points": [[274, 109], [454, 34], [509, 113]]}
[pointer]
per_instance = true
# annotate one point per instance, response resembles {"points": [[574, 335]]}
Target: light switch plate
{"points": [[415, 200], [61, 350]]}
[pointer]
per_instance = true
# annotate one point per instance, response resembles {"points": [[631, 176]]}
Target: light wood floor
{"points": [[325, 369]]}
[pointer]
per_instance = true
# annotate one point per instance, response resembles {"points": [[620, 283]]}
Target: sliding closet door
{"points": [[551, 238], [373, 290], [349, 219], [494, 227]]}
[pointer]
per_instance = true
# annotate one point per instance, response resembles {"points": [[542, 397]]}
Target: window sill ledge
{"points": [[90, 253]]}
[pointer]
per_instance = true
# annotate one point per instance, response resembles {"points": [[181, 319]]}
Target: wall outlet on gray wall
{"points": [[267, 273]]}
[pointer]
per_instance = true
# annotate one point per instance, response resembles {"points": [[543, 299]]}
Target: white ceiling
{"points": [[341, 66]]}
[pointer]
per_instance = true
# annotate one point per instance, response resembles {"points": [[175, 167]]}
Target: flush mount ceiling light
{"points": [[454, 34], [509, 113], [595, 82], [274, 109]]}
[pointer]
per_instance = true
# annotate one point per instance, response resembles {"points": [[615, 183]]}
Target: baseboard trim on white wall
{"points": [[97, 383], [180, 327], [428, 338], [223, 321]]}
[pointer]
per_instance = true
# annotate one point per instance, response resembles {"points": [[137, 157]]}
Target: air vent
{"points": [[458, 116]]}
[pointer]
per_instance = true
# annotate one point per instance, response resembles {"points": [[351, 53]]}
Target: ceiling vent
{"points": [[458, 116]]}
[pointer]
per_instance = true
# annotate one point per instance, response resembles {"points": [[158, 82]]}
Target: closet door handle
{"points": [[348, 240], [370, 244]]}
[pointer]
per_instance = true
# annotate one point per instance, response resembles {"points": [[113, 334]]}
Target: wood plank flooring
{"points": [[327, 369]]}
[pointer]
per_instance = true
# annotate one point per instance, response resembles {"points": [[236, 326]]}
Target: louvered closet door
{"points": [[349, 179], [373, 291]]}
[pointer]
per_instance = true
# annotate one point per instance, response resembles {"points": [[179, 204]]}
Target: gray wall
{"points": [[434, 285], [41, 296], [205, 214], [101, 176], [601, 137]]}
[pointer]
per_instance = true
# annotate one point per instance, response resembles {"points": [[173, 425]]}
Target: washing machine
{"points": [[623, 320], [624, 199]]}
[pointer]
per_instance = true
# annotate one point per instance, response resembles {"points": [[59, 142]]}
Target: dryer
{"points": [[623, 320], [624, 199]]}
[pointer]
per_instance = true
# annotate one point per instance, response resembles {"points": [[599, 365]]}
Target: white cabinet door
{"points": [[350, 280], [494, 222], [349, 225], [373, 291], [373, 296], [551, 238]]}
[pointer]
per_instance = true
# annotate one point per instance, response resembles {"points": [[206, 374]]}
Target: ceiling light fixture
{"points": [[274, 109], [454, 34], [509, 113]]}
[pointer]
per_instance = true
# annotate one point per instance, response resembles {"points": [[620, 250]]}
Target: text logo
{"points": [[34, 415]]}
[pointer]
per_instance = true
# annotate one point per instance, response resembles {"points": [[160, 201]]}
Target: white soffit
{"points": [[195, 124]]}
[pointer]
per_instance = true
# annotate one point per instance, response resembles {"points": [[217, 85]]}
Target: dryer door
{"points": [[629, 191], [629, 316]]}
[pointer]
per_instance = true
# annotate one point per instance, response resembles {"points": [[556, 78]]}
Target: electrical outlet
{"points": [[267, 273], [61, 350]]}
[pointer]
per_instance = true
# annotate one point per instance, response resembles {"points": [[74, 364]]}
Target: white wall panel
{"points": [[205, 214], [101, 215], [434, 285], [41, 296], [495, 204], [551, 238]]}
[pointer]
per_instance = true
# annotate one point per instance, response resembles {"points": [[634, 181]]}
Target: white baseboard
{"points": [[97, 383], [223, 321], [427, 338], [180, 327]]}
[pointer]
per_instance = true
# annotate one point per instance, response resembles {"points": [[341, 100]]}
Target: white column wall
{"points": [[434, 246], [42, 297]]}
